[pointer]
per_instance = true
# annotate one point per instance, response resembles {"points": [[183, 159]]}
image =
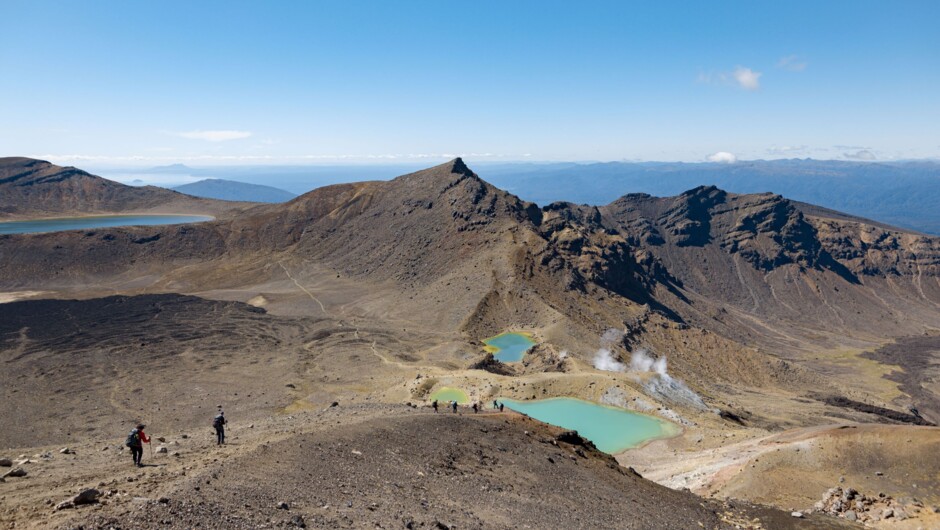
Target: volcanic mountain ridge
{"points": [[31, 188]]}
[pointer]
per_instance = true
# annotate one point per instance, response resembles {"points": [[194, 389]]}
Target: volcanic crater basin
{"points": [[509, 347], [612, 429], [448, 394], [59, 224]]}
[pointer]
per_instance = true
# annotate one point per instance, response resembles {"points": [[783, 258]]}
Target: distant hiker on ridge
{"points": [[495, 405], [434, 405], [476, 407], [135, 441], [219, 423], [453, 405]]}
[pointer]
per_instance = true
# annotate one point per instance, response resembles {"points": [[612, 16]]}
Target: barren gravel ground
{"points": [[368, 466]]}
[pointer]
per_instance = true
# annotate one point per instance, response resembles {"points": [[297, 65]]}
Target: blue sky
{"points": [[231, 82]]}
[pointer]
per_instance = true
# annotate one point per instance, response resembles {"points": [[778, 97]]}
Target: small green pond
{"points": [[509, 347], [612, 429], [446, 394]]}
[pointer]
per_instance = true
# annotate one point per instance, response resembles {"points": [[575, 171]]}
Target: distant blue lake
{"points": [[509, 347], [95, 221], [612, 429]]}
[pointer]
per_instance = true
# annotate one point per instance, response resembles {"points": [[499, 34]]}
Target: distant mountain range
{"points": [[904, 194], [230, 190]]}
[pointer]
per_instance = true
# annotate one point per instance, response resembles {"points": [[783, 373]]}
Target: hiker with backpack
{"points": [[219, 424], [135, 441], [434, 405]]}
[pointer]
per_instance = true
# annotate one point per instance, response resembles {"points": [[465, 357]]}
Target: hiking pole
{"points": [[151, 449]]}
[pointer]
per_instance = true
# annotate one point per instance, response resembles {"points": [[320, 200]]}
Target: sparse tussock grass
{"points": [[424, 388]]}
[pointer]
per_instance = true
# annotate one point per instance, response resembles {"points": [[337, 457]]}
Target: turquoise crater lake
{"points": [[612, 429], [95, 221], [509, 347]]}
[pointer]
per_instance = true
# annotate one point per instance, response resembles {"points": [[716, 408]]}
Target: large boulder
{"points": [[87, 496], [15, 472]]}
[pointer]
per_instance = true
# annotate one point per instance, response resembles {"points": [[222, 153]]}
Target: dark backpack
{"points": [[133, 439], [218, 421]]}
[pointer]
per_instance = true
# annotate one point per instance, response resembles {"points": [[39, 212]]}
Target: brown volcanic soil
{"points": [[380, 292], [31, 189], [919, 376], [388, 467], [794, 469], [100, 364]]}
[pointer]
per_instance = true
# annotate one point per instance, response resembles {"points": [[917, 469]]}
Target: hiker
{"points": [[219, 423], [500, 407], [453, 405], [434, 405], [135, 441], [476, 407], [495, 405]]}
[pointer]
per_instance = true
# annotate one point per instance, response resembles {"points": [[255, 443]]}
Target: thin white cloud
{"points": [[863, 154], [214, 136], [741, 77], [787, 149], [851, 147], [722, 157], [746, 78], [792, 63]]}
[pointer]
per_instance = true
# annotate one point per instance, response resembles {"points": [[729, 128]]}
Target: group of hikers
{"points": [[477, 406], [137, 437]]}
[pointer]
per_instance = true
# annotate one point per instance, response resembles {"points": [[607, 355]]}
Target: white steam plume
{"points": [[662, 385], [604, 357], [604, 360], [641, 361]]}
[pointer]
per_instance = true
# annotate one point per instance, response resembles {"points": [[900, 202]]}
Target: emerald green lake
{"points": [[509, 347], [447, 393], [95, 221], [612, 429]]}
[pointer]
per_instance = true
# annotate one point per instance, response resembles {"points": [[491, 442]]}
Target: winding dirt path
{"points": [[304, 289]]}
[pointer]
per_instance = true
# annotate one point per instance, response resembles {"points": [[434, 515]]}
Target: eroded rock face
{"points": [[766, 230], [871, 250]]}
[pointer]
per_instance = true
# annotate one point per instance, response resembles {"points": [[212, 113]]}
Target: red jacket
{"points": [[143, 437]]}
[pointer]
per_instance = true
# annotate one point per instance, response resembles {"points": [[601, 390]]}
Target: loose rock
{"points": [[87, 496], [15, 472]]}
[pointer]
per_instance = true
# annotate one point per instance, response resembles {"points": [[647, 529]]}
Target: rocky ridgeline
{"points": [[849, 504]]}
